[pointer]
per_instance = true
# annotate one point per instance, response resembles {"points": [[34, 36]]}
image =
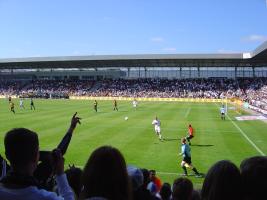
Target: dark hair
{"points": [[254, 177], [182, 189], [165, 191], [196, 195], [74, 176], [146, 177], [152, 174], [105, 175], [223, 181], [21, 146]]}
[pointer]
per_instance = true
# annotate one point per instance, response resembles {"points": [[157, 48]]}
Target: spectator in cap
{"points": [[136, 177], [139, 179]]}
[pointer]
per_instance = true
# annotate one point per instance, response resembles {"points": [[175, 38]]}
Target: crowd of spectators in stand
{"points": [[45, 88], [251, 90], [106, 175]]}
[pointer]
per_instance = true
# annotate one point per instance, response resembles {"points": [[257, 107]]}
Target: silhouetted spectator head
{"points": [[196, 195], [22, 148], [146, 177], [44, 174], [165, 191], [105, 175], [152, 174], [223, 181], [254, 177], [74, 175], [182, 189]]}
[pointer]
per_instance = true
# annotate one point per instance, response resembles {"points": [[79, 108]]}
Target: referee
{"points": [[186, 162]]}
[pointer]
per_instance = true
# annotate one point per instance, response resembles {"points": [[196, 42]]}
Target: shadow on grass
{"points": [[202, 145], [171, 139]]}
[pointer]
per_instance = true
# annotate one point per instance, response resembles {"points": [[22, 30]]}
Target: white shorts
{"points": [[157, 129]]}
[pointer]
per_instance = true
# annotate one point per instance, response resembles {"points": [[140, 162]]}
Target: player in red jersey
{"points": [[190, 134]]}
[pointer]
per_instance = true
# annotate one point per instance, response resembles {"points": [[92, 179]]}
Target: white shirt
{"points": [[222, 110], [33, 193], [21, 102], [156, 123], [134, 103]]}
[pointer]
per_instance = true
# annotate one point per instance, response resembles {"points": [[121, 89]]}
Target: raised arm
{"points": [[63, 145]]}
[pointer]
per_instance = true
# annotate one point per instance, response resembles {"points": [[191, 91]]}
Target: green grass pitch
{"points": [[135, 138]]}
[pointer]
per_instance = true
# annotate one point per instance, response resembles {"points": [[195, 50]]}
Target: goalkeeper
{"points": [[186, 162]]}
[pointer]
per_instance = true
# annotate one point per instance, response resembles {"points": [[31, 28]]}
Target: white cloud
{"points": [[157, 39], [255, 38], [172, 49]]}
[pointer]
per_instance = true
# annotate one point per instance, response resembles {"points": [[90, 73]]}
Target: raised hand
{"points": [[74, 121]]}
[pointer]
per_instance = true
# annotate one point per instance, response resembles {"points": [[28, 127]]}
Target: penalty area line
{"points": [[245, 136], [187, 112]]}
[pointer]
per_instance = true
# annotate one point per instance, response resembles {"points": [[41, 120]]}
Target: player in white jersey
{"points": [[135, 103], [222, 109], [156, 123], [21, 104]]}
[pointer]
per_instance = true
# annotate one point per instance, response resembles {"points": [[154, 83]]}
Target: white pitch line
{"points": [[187, 112], [167, 173], [245, 136]]}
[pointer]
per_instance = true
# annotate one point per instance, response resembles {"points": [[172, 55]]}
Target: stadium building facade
{"points": [[171, 66]]}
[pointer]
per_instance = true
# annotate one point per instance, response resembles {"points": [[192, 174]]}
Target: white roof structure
{"points": [[256, 58]]}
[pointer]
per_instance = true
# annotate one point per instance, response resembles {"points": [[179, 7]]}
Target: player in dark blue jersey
{"points": [[32, 104], [95, 105]]}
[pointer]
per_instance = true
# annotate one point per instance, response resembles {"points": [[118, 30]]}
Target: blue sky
{"points": [[96, 27]]}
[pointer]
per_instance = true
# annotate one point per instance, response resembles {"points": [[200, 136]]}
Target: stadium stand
{"points": [[251, 90]]}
